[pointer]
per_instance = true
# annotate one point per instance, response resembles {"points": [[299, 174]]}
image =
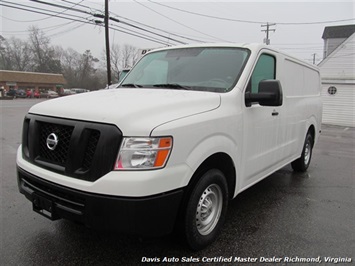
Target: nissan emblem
{"points": [[52, 141]]}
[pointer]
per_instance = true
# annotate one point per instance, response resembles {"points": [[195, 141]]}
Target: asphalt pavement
{"points": [[288, 218]]}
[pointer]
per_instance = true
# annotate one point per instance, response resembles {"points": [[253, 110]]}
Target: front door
{"points": [[261, 127]]}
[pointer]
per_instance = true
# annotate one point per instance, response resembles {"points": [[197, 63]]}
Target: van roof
{"points": [[253, 47]]}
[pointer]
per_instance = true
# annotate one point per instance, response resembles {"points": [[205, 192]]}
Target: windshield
{"points": [[215, 69]]}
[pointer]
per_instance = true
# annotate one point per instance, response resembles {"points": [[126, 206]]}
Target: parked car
{"points": [[79, 90], [33, 94], [67, 92], [16, 93], [49, 94], [20, 94]]}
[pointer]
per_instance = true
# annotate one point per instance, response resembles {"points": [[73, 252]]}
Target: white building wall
{"points": [[338, 70], [330, 45], [339, 108], [341, 63]]}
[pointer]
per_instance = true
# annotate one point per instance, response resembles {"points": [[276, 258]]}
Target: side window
{"points": [[264, 69]]}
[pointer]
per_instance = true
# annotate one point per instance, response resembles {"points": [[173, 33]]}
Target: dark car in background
{"points": [[16, 93]]}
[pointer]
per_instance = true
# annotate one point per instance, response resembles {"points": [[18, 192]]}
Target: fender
{"points": [[212, 145], [312, 121]]}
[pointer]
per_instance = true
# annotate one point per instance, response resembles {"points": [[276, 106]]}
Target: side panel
{"points": [[274, 136], [301, 86]]}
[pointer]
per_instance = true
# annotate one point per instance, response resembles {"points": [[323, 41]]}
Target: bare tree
{"points": [[38, 55], [15, 55], [43, 55], [129, 56], [115, 54], [20, 54], [70, 60], [121, 57], [5, 59]]}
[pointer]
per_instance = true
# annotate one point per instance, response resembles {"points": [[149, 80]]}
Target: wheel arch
{"points": [[220, 161], [312, 131], [313, 127]]}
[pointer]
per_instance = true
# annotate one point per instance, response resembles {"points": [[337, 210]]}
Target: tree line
{"points": [[81, 70]]}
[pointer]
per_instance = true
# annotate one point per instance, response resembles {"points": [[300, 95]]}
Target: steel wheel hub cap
{"points": [[307, 153], [209, 209]]}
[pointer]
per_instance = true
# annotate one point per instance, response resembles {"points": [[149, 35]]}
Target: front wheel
{"points": [[302, 163], [206, 209]]}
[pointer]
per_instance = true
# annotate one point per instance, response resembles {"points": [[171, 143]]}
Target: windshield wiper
{"points": [[172, 86], [131, 85]]}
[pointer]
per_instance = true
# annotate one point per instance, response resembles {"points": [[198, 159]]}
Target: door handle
{"points": [[274, 113]]}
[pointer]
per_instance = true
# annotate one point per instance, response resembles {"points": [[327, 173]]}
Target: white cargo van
{"points": [[188, 129]]}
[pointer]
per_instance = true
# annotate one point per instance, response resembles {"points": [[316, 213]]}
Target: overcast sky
{"points": [[298, 30]]}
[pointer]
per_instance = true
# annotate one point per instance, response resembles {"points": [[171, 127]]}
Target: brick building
{"points": [[40, 82]]}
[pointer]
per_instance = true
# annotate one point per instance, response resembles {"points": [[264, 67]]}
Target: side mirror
{"points": [[270, 94]]}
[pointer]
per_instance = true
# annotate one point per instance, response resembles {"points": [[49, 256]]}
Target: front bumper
{"points": [[146, 216]]}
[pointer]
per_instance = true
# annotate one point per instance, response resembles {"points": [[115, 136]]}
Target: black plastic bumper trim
{"points": [[144, 216]]}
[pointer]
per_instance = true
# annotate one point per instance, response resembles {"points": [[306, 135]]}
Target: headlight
{"points": [[143, 153]]}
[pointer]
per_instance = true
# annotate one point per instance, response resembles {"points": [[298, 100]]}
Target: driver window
{"points": [[264, 69]]}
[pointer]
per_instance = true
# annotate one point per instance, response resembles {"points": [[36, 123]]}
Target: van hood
{"points": [[136, 112]]}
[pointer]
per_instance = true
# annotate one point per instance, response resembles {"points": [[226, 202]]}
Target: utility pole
{"points": [[108, 57], [314, 58], [267, 25]]}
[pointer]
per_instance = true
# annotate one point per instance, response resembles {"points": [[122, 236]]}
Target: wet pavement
{"points": [[288, 217]]}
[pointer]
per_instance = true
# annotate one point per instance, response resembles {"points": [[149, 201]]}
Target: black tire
{"points": [[206, 210], [302, 163]]}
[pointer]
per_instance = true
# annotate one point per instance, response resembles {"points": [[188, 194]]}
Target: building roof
{"points": [[344, 31], [31, 77]]}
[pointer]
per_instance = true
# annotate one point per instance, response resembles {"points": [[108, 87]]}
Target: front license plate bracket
{"points": [[44, 206]]}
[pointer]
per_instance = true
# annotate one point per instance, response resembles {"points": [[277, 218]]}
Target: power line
{"points": [[129, 24], [249, 21], [155, 28], [140, 28], [56, 14], [42, 13], [135, 34], [103, 16], [178, 22], [70, 17], [87, 22], [205, 15], [54, 35], [61, 6], [148, 26], [45, 29]]}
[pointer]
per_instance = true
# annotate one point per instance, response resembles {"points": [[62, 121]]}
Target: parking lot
{"points": [[286, 218]]}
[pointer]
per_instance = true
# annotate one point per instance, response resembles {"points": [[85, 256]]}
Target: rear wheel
{"points": [[302, 163], [206, 209]]}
